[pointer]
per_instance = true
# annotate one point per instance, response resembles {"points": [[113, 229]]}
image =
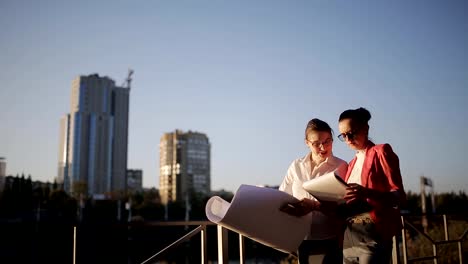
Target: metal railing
{"points": [[222, 242], [222, 234], [435, 244], [200, 229]]}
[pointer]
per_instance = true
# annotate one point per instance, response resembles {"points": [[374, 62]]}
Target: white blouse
{"points": [[300, 171], [355, 176]]}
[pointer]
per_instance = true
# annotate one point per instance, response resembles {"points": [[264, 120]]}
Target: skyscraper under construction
{"points": [[94, 136]]}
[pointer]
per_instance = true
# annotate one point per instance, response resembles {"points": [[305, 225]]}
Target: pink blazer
{"points": [[381, 171]]}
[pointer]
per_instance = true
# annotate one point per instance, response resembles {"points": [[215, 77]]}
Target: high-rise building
{"points": [[184, 165], [134, 180], [2, 167], [2, 172], [94, 136]]}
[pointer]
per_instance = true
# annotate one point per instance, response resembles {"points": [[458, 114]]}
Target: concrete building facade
{"points": [[184, 165]]}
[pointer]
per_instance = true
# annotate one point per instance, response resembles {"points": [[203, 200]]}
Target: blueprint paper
{"points": [[254, 213], [328, 187]]}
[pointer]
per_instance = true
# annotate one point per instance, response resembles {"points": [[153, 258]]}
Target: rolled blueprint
{"points": [[254, 213]]}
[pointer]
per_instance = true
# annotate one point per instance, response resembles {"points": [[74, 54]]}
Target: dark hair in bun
{"points": [[360, 115]]}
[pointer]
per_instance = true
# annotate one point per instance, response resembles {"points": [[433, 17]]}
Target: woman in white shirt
{"points": [[322, 243]]}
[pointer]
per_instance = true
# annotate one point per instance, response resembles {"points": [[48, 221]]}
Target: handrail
{"points": [[464, 234], [222, 240], [422, 233], [178, 242], [175, 223]]}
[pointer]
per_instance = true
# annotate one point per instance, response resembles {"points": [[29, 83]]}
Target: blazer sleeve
{"points": [[342, 169], [391, 168]]}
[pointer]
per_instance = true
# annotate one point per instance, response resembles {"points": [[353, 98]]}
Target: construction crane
{"points": [[127, 83]]}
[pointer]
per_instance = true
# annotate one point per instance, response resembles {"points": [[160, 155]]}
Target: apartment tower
{"points": [[184, 165], [2, 172]]}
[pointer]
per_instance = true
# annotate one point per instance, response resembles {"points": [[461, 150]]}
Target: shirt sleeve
{"points": [[391, 168], [286, 185]]}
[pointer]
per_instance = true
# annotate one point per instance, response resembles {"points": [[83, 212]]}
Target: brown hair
{"points": [[317, 125]]}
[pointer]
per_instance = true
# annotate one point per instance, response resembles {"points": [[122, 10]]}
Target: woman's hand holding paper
{"points": [[356, 192], [300, 208]]}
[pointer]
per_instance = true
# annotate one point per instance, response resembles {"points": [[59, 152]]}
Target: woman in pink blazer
{"points": [[374, 194]]}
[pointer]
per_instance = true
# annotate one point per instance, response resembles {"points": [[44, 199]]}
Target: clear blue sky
{"points": [[249, 74]]}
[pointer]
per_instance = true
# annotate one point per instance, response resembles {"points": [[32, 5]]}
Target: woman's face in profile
{"points": [[320, 144], [354, 136]]}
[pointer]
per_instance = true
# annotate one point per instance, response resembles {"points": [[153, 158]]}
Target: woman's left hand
{"points": [[356, 192], [301, 207]]}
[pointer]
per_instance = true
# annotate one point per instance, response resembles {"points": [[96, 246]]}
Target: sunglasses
{"points": [[348, 135]]}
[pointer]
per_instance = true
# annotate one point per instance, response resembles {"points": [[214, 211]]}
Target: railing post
{"points": [[434, 250], [74, 244], [204, 251], [460, 252], [241, 249], [223, 257], [403, 241], [445, 228], [395, 255]]}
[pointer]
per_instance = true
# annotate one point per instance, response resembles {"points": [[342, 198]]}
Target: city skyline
{"points": [[249, 75]]}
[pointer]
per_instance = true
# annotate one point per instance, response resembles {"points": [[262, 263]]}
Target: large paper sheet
{"points": [[328, 187], [254, 212]]}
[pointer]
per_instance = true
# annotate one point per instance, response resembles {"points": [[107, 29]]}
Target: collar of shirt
{"points": [[364, 150], [306, 161], [361, 153]]}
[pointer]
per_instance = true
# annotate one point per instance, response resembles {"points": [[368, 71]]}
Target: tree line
{"points": [[23, 199]]}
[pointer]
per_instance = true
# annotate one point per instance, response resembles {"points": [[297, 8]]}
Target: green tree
{"points": [[79, 188]]}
